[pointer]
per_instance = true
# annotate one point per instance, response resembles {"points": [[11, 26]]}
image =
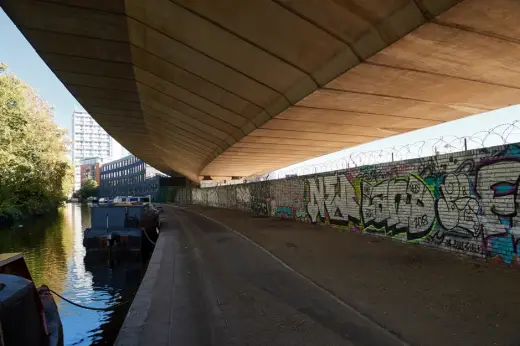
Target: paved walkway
{"points": [[425, 296], [208, 285]]}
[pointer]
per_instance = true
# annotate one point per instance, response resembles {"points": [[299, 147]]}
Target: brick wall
{"points": [[463, 202]]}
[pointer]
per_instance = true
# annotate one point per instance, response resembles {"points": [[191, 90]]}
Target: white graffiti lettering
{"points": [[398, 205], [333, 195], [457, 210]]}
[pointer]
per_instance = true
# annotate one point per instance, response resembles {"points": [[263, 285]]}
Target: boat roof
{"points": [[6, 258], [117, 216], [121, 204]]}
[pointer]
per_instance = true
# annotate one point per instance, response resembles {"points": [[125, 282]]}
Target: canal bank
{"points": [[212, 283], [208, 285], [9, 221], [170, 305], [52, 245]]}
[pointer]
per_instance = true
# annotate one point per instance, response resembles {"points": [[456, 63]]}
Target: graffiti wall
{"points": [[464, 202]]}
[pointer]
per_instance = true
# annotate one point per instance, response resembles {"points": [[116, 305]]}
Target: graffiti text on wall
{"points": [[464, 202]]}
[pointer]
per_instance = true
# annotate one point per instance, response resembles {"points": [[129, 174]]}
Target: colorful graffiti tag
{"points": [[464, 202]]}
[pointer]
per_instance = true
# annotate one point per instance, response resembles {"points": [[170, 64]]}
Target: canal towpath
{"points": [[232, 279]]}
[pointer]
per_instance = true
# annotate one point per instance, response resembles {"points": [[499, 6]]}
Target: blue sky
{"points": [[26, 64]]}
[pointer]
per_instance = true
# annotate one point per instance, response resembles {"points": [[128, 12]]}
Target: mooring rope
{"points": [[147, 237], [109, 308]]}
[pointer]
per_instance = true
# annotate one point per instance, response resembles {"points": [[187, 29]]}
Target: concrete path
{"points": [[208, 285], [425, 296]]}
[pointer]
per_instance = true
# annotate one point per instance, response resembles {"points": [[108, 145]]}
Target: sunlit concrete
{"points": [[236, 88]]}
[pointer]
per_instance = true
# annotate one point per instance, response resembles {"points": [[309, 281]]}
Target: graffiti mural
{"points": [[457, 209], [463, 202], [261, 202], [288, 200], [398, 205], [243, 197], [496, 183], [331, 198]]}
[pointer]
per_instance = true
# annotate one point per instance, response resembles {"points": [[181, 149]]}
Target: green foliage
{"points": [[35, 175], [88, 189]]}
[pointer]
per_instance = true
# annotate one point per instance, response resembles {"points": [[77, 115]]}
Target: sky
{"points": [[26, 64], [23, 61]]}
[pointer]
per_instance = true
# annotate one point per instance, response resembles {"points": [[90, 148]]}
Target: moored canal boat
{"points": [[28, 316], [122, 226]]}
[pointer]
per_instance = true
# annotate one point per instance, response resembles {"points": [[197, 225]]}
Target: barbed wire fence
{"points": [[498, 135]]}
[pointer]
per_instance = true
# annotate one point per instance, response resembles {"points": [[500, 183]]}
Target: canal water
{"points": [[53, 249]]}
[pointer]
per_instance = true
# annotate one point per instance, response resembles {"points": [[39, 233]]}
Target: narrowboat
{"points": [[122, 226], [28, 315]]}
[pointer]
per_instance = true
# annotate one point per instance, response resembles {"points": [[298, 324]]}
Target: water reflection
{"points": [[53, 249]]}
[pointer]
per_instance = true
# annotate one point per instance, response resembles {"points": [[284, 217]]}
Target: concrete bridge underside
{"points": [[235, 88]]}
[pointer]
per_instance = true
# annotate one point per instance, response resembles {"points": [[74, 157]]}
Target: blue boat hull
{"points": [[112, 239]]}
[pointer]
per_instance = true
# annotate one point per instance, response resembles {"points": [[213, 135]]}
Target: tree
{"points": [[88, 189], [34, 171]]}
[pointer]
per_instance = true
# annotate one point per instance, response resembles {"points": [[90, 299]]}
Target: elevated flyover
{"points": [[235, 88]]}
